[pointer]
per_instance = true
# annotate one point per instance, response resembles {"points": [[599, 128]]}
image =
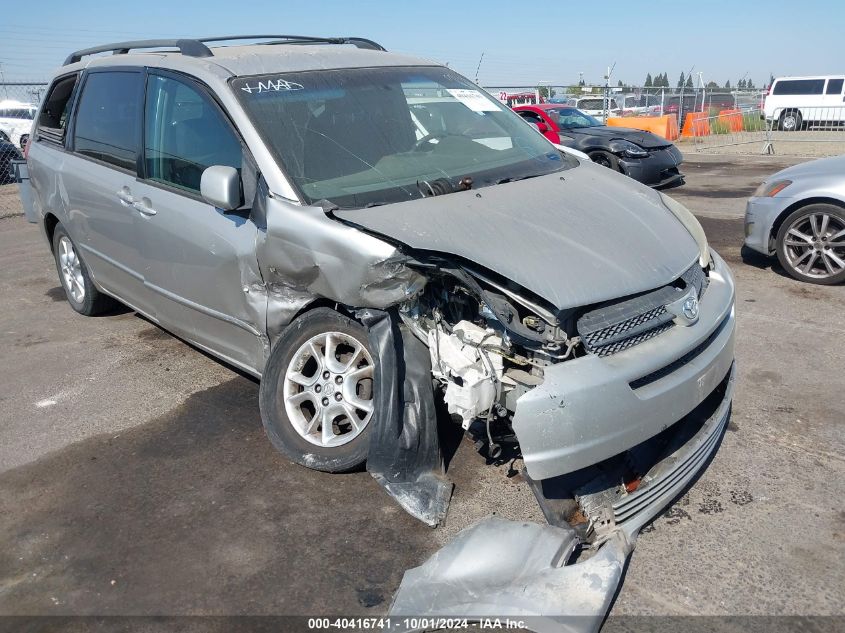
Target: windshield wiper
{"points": [[506, 180]]}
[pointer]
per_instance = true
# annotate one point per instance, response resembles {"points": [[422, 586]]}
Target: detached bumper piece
{"points": [[404, 452], [508, 569], [515, 570]]}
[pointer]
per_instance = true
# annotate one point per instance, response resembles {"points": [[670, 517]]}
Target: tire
{"points": [[790, 121], [74, 277], [605, 159], [806, 252], [302, 387]]}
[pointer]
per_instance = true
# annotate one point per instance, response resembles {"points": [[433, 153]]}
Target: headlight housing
{"points": [[692, 225], [629, 149], [771, 189]]}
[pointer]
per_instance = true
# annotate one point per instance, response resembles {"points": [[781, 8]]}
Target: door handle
{"points": [[142, 206], [125, 197]]}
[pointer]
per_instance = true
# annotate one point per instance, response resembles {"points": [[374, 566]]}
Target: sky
{"points": [[523, 44]]}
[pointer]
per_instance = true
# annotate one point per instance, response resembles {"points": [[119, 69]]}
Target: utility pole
{"points": [[478, 68], [3, 81], [607, 90]]}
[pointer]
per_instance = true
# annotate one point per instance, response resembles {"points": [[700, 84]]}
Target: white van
{"points": [[15, 121], [796, 102], [595, 106]]}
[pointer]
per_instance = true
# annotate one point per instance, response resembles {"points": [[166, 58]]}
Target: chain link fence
{"points": [[18, 103], [811, 131]]}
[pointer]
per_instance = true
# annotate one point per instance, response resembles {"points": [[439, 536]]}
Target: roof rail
{"points": [[196, 47]]}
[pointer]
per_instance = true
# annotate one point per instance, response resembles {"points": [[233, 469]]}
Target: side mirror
{"points": [[542, 128], [221, 186]]}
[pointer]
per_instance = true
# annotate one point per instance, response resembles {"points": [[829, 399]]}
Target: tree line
{"points": [[662, 81]]}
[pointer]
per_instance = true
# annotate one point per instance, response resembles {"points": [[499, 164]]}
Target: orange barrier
{"points": [[696, 124], [732, 119], [665, 126]]}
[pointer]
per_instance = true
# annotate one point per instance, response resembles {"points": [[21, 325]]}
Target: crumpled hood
{"points": [[575, 237], [641, 138]]}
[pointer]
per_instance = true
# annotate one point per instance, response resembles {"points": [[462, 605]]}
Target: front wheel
{"points": [[605, 159], [790, 121], [316, 394], [811, 244]]}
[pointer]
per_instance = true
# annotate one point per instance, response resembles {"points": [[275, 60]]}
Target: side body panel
{"points": [[201, 273]]}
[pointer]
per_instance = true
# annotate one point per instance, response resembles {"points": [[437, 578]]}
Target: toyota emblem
{"points": [[690, 308]]}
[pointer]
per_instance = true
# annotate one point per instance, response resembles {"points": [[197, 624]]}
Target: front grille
{"points": [[620, 336], [612, 328]]}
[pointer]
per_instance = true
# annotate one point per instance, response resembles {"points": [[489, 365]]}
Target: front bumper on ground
{"points": [[658, 169], [592, 408], [760, 216]]}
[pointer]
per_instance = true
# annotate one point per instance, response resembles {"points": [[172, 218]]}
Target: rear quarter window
{"points": [[54, 116], [108, 119], [834, 87], [799, 87]]}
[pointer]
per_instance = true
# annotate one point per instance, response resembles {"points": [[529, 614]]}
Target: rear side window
{"points": [[108, 118], [799, 87], [185, 133], [834, 87], [52, 122]]}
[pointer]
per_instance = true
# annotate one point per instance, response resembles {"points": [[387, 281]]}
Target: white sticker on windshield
{"points": [[271, 85], [473, 99]]}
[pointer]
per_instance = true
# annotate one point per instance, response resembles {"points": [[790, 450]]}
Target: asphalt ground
{"points": [[135, 477]]}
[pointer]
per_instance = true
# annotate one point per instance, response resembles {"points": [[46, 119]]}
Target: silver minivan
{"points": [[376, 239]]}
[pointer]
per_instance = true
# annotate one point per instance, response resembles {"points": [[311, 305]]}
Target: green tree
{"points": [[546, 92], [648, 81], [619, 84], [728, 84], [711, 85], [749, 85], [741, 84], [688, 84], [682, 80], [771, 79]]}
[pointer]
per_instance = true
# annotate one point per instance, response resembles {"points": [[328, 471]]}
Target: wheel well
{"points": [[798, 205], [50, 222]]}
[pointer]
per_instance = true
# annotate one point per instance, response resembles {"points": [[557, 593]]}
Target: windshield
{"points": [[357, 137], [17, 113], [570, 118]]}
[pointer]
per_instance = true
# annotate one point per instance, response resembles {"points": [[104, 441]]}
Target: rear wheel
{"points": [[81, 293], [811, 244], [317, 392], [605, 159], [790, 121]]}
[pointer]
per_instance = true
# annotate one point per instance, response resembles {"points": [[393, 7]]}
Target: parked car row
{"points": [[643, 156]]}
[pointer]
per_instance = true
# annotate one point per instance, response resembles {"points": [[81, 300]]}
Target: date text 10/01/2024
{"points": [[408, 623]]}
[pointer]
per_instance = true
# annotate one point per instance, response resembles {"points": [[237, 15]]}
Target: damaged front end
{"points": [[614, 407]]}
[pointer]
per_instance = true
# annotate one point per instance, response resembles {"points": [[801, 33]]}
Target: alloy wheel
{"points": [[328, 389], [814, 245], [71, 268]]}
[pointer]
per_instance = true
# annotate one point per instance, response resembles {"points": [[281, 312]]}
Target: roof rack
{"points": [[196, 47]]}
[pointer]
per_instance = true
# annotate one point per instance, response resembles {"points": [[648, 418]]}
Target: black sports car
{"points": [[644, 156]]}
